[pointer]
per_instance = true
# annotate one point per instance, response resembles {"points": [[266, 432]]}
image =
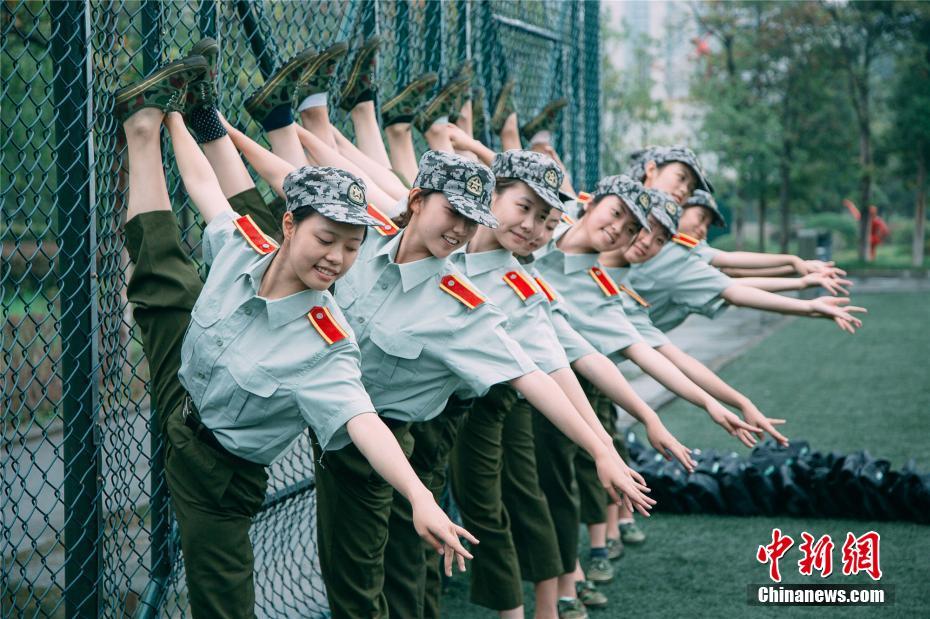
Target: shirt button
{"points": [[247, 311], [265, 245], [201, 375], [384, 286], [219, 342], [362, 320]]}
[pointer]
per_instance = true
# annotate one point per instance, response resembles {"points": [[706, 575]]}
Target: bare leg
{"points": [[437, 136], [284, 144], [316, 119], [230, 171], [384, 176], [510, 134], [200, 182], [268, 165], [598, 534], [368, 134], [547, 598], [331, 157], [613, 521], [465, 121], [567, 585], [513, 613], [148, 190], [403, 157]]}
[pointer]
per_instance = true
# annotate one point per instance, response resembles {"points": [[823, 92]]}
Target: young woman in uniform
{"points": [[267, 352]]}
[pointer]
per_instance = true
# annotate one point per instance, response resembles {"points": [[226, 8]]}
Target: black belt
{"points": [[206, 436]]}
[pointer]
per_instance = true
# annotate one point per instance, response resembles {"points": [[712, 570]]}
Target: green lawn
{"points": [[839, 392]]}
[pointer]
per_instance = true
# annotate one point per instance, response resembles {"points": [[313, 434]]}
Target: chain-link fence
{"points": [[87, 528]]}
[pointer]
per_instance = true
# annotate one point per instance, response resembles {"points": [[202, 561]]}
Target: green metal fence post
{"points": [[592, 91], [76, 228], [575, 70]]}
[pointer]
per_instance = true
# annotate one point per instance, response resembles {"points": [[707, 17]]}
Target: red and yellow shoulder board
{"points": [[684, 239], [566, 219], [468, 296], [605, 281], [634, 295], [326, 325], [254, 236], [584, 197], [521, 284], [547, 289], [387, 227]]}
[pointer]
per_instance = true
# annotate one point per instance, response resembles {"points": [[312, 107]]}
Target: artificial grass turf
{"points": [[839, 392]]}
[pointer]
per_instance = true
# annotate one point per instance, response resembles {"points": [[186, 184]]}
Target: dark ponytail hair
{"points": [[402, 219]]}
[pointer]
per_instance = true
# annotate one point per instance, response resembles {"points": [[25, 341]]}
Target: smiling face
{"points": [[547, 231], [318, 250], [695, 220], [609, 224], [648, 244], [436, 226], [521, 216], [674, 178]]}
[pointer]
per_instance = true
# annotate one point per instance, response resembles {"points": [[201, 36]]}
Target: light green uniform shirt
{"points": [[597, 316], [527, 320], [420, 344], [677, 283], [705, 252], [572, 342], [257, 370], [635, 312]]}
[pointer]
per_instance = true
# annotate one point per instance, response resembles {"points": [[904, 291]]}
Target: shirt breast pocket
{"points": [[398, 357], [252, 387], [205, 314]]}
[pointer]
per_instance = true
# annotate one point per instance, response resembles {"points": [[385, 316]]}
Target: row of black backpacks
{"points": [[794, 481]]}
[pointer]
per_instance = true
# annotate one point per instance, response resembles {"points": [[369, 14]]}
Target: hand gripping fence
{"points": [[87, 524]]}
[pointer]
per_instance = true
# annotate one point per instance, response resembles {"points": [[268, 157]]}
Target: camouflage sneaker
{"points": [[631, 534], [165, 88], [466, 69], [547, 120], [201, 92], [402, 107], [360, 83], [279, 89], [572, 609], [600, 570], [441, 104], [504, 107], [589, 595], [614, 549], [318, 75]]}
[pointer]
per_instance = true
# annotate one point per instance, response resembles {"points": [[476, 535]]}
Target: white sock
{"points": [[442, 120], [626, 521], [541, 137], [316, 100]]}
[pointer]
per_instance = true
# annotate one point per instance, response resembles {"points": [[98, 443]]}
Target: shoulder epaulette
{"points": [[468, 296], [634, 295], [584, 197], [547, 289], [387, 227], [254, 236], [521, 284], [685, 240], [605, 281], [326, 325], [568, 220]]}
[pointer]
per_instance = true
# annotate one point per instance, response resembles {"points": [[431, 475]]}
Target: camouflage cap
{"points": [[681, 154], [664, 208], [466, 184], [702, 198], [331, 192], [539, 171], [638, 159], [628, 190]]}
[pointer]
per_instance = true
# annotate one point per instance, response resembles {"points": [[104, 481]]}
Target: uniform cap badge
{"points": [[551, 178], [355, 194], [474, 185]]}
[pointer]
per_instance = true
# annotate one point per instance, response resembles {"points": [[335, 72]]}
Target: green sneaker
{"points": [[201, 92], [600, 570], [165, 88], [631, 534], [547, 120], [572, 609], [504, 107], [441, 104], [614, 549], [279, 89], [402, 107], [318, 75], [465, 70], [360, 83], [589, 595]]}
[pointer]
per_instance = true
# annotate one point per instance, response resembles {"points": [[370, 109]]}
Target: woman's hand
{"points": [[754, 416], [804, 267], [667, 445], [733, 424], [437, 530], [617, 477], [833, 285], [838, 309]]}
